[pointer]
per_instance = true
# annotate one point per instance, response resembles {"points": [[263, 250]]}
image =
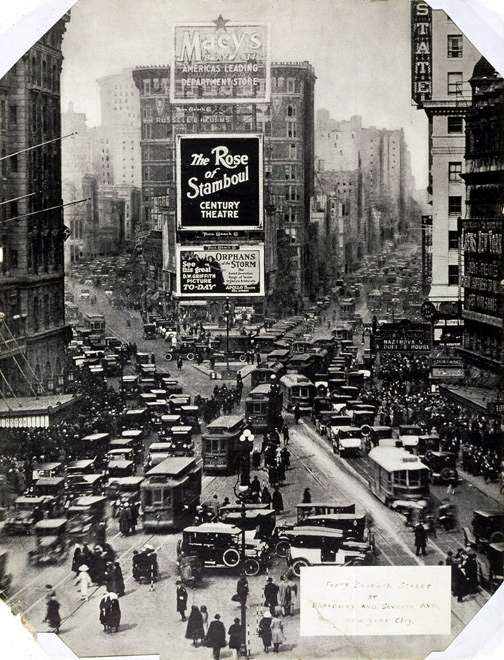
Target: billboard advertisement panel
{"points": [[220, 270], [219, 182], [220, 62]]}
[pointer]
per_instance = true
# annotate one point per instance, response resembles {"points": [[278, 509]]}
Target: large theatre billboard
{"points": [[220, 270], [219, 182], [220, 62]]}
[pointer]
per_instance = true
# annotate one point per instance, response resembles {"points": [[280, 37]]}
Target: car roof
{"points": [[214, 528]]}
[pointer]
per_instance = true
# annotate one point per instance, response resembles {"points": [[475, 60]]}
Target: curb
{"points": [[467, 476]]}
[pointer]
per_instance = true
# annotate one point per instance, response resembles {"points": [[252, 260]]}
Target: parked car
{"points": [[488, 526]]}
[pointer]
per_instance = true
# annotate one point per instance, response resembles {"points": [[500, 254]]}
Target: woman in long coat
{"points": [[235, 636], [277, 636], [104, 612], [264, 630], [84, 582], [114, 612], [52, 615], [277, 500], [194, 629], [119, 579], [216, 636]]}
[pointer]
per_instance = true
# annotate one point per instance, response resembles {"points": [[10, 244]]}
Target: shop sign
{"points": [[404, 336], [220, 62], [219, 182], [421, 52], [220, 270], [483, 266]]}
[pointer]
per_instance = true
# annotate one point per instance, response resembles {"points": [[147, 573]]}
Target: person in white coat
{"points": [[84, 581]]}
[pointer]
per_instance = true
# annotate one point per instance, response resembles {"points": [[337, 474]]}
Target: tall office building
{"points": [[117, 139], [443, 60], [287, 124], [32, 330]]}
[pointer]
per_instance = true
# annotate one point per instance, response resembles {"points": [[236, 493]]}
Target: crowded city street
{"points": [[251, 331], [313, 465]]}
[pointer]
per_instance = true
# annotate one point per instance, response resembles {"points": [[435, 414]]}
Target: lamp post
{"points": [[241, 489]]}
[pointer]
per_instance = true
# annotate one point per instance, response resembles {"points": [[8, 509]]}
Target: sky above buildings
{"points": [[360, 50]]}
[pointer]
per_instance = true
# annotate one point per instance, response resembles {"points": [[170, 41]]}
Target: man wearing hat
{"points": [[271, 595], [216, 636], [181, 599]]}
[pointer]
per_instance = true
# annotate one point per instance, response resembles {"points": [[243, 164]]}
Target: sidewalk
{"points": [[491, 489]]}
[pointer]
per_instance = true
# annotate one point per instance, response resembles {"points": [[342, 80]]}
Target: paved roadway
{"points": [[149, 621]]}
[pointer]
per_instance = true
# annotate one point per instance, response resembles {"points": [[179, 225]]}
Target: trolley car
{"points": [[257, 406], [170, 492], [396, 477], [220, 446], [265, 370], [297, 389]]}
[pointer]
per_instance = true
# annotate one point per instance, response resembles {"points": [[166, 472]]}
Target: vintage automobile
{"points": [[335, 423], [83, 515], [126, 488], [149, 331], [181, 441], [219, 545], [495, 556], [52, 488], [52, 469], [257, 518], [123, 453], [27, 512], [488, 526], [167, 423], [321, 546], [111, 365], [82, 479], [158, 451], [126, 448], [5, 578], [347, 441], [50, 540], [442, 466], [121, 468]]}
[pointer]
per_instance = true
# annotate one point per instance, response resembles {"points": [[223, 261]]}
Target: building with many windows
{"points": [[32, 331], [483, 229], [442, 63], [287, 124]]}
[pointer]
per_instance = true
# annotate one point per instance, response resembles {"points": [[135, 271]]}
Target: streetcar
{"points": [[170, 492], [257, 406], [265, 370], [221, 448], [297, 389], [397, 477]]}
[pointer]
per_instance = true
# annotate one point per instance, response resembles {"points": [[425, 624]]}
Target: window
{"points": [[454, 82], [455, 48], [291, 129], [292, 152], [147, 86], [291, 111], [455, 205], [291, 85], [454, 171], [14, 163], [453, 275], [455, 124], [13, 115], [453, 240]]}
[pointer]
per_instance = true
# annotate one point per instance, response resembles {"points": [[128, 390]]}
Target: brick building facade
{"points": [[287, 126], [33, 333]]}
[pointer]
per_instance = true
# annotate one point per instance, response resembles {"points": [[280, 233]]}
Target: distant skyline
{"points": [[360, 50]]}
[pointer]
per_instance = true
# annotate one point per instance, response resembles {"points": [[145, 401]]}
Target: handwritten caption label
{"points": [[375, 600]]}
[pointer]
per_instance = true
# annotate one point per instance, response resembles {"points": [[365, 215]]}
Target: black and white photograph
{"points": [[252, 330]]}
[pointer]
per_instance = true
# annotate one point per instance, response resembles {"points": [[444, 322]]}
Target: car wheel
{"points": [[251, 567], [243, 357], [169, 356], [231, 558], [190, 356], [445, 475], [497, 537], [282, 548], [297, 565]]}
